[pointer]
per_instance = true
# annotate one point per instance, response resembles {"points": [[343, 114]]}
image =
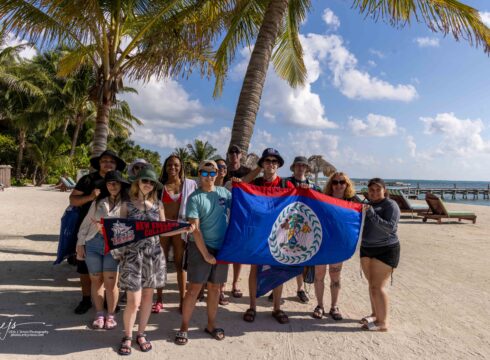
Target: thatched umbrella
{"points": [[319, 164], [251, 160]]}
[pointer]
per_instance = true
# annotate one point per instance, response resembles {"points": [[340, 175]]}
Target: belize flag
{"points": [[295, 227]]}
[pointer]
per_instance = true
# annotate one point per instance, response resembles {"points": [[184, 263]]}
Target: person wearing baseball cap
{"points": [[207, 209]]}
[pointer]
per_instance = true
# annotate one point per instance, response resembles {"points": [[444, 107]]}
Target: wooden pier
{"points": [[450, 193]]}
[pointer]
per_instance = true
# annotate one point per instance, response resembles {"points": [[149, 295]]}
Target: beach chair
{"points": [[64, 184], [439, 211], [405, 205], [71, 181]]}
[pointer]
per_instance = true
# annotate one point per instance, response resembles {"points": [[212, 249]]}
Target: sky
{"points": [[398, 103]]}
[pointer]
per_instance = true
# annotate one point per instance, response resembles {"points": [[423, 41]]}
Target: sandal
{"points": [[318, 312], [217, 333], [110, 323], [367, 319], [371, 326], [222, 300], [181, 338], [335, 313], [125, 349], [280, 316], [145, 346], [236, 293], [156, 307], [302, 296], [249, 315], [98, 322]]}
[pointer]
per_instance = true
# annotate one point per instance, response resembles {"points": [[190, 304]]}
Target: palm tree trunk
{"points": [[101, 125], [20, 154], [65, 127], [253, 83], [78, 126]]}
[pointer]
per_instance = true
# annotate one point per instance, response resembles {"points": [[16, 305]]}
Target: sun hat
{"points": [[271, 152], [120, 163], [148, 174], [206, 164], [300, 160], [137, 162], [113, 175]]}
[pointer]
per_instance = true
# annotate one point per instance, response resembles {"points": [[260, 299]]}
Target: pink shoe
{"points": [[98, 322], [110, 323]]}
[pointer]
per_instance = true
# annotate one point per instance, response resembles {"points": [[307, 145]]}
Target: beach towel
{"points": [[68, 234]]}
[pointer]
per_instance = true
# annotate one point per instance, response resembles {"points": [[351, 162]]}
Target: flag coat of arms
{"points": [[275, 226]]}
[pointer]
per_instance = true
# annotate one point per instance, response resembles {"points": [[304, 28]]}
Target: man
{"points": [[269, 163], [82, 196], [207, 210], [300, 167], [235, 169]]}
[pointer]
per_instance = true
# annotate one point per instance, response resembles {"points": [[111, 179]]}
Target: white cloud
{"points": [[219, 139], [374, 125], [372, 63], [460, 137], [331, 19], [412, 146], [313, 142], [427, 42], [485, 17], [377, 53], [27, 53], [148, 136], [352, 82]]}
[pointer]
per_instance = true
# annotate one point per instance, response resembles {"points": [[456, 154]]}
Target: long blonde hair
{"points": [[350, 190], [135, 190]]}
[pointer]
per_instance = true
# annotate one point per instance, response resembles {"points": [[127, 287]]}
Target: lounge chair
{"points": [[439, 211], [405, 205], [64, 184]]}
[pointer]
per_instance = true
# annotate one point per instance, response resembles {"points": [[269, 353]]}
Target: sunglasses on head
{"points": [[339, 182], [146, 181], [208, 173]]}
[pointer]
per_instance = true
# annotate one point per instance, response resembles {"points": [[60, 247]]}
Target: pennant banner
{"points": [[275, 226], [120, 232]]}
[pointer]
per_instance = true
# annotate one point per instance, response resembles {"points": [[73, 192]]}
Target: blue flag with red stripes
{"points": [[298, 227]]}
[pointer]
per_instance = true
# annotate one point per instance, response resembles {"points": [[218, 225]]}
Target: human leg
{"points": [[320, 272], [380, 274], [179, 248], [236, 292], [300, 291], [365, 266], [334, 271], [145, 310], [212, 304]]}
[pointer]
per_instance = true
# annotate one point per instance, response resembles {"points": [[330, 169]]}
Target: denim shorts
{"points": [[96, 261]]}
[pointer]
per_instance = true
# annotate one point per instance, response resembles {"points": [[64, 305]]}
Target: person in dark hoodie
{"points": [[380, 251]]}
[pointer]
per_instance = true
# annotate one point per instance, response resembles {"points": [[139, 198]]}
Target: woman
{"points": [[380, 251], [90, 247], [176, 190], [341, 187], [142, 263]]}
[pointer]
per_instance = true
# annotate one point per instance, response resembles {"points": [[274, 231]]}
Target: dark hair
{"points": [[104, 193], [164, 175], [380, 182]]}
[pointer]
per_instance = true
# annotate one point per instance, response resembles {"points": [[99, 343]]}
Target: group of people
{"points": [[139, 268]]}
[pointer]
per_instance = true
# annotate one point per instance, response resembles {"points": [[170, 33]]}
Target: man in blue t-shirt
{"points": [[207, 209]]}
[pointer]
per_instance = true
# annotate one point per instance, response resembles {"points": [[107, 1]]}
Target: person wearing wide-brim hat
{"points": [[142, 264], [95, 161], [90, 247], [268, 153], [300, 160]]}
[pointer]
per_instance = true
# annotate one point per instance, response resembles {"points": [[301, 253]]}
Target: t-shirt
{"points": [[297, 183], [86, 185], [239, 173], [211, 208], [277, 182]]}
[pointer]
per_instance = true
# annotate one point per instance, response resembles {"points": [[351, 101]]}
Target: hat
{"points": [[120, 163], [300, 160], [148, 174], [136, 162], [233, 148], [113, 175], [271, 152], [207, 164], [377, 181]]}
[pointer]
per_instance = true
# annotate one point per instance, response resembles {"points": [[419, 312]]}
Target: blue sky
{"points": [[380, 101]]}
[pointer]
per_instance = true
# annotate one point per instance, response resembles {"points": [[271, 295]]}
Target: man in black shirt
{"points": [[82, 196]]}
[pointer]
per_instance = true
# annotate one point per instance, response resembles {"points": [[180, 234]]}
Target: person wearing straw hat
{"points": [[90, 247], [83, 194], [142, 264]]}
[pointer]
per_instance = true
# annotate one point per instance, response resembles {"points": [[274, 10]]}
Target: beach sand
{"points": [[440, 300]]}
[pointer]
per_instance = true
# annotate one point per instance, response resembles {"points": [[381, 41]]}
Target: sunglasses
{"points": [[233, 152], [146, 181], [221, 166], [271, 161], [137, 167], [208, 173], [339, 182]]}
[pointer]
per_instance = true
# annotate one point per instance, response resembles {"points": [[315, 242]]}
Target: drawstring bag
{"points": [[309, 274]]}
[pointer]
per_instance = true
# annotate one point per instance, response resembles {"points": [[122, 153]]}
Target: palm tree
{"points": [[46, 155], [119, 39], [199, 151], [279, 26]]}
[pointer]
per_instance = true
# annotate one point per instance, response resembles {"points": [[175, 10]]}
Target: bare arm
{"points": [[78, 199], [200, 242], [252, 175]]}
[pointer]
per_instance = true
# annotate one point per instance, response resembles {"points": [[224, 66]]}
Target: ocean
{"points": [[427, 184]]}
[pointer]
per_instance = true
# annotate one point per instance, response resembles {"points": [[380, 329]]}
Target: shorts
{"points": [[199, 271], [390, 254], [95, 259]]}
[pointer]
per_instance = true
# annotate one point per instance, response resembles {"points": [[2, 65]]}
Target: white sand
{"points": [[440, 299]]}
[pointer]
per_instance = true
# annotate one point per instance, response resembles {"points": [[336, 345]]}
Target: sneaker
{"points": [[83, 307], [302, 297]]}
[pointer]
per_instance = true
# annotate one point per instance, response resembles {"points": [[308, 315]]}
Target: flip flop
{"points": [[280, 316], [157, 307], [373, 327], [367, 320], [181, 338], [335, 313], [236, 293], [249, 315], [216, 333], [318, 312]]}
